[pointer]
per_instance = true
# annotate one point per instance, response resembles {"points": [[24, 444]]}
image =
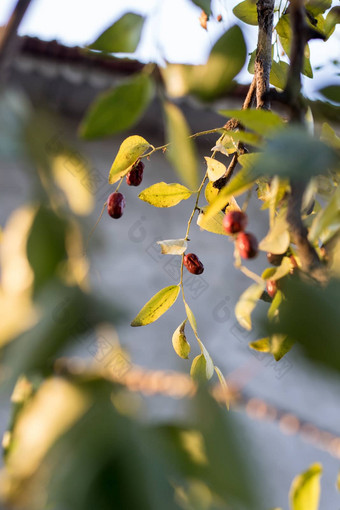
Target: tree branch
{"points": [[263, 60], [8, 36], [310, 261]]}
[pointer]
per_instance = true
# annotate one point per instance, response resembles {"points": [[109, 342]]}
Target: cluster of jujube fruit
{"points": [[116, 201], [235, 222]]}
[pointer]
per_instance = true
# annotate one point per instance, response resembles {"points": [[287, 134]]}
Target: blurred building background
{"points": [[126, 267]]}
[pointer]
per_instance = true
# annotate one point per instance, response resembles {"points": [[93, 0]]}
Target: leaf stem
{"points": [[119, 184]]}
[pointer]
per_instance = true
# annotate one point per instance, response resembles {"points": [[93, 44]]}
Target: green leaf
{"points": [[130, 150], [182, 151], [274, 305], [280, 345], [247, 12], [261, 121], [278, 74], [156, 306], [332, 19], [213, 224], [305, 489], [162, 194], [284, 31], [332, 92], [309, 314], [213, 79], [246, 304], [121, 37], [46, 245], [204, 5], [278, 239], [215, 169], [242, 136], [118, 109], [180, 343], [294, 153], [173, 246], [316, 7]]}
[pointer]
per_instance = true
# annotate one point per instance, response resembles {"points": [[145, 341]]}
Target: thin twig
{"points": [[263, 60]]}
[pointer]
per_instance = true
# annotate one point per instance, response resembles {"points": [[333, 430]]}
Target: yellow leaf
{"points": [[277, 240], [247, 303], [156, 306], [191, 317], [215, 169], [224, 386], [210, 192], [130, 150], [165, 195], [180, 343], [173, 246], [305, 489], [212, 224]]}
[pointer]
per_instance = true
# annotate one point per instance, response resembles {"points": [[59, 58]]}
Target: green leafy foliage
{"points": [[284, 31], [278, 74], [156, 306], [118, 109], [213, 79], [305, 489], [182, 152], [300, 319], [121, 37], [278, 239], [46, 248], [316, 7], [213, 224], [129, 152], [262, 122], [332, 92], [246, 11], [165, 195]]}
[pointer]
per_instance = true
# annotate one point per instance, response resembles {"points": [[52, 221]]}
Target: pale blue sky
{"points": [[172, 30]]}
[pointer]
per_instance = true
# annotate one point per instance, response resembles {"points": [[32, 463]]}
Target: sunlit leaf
{"points": [[332, 19], [275, 304], [246, 11], [280, 345], [118, 109], [182, 151], [173, 246], [224, 386], [74, 179], [211, 224], [329, 215], [329, 136], [165, 195], [130, 150], [332, 92], [278, 74], [305, 489], [278, 239], [316, 7], [180, 343], [156, 306], [261, 345], [215, 169], [246, 304], [191, 317], [121, 37], [261, 121], [242, 136], [210, 192], [198, 370], [242, 181]]}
